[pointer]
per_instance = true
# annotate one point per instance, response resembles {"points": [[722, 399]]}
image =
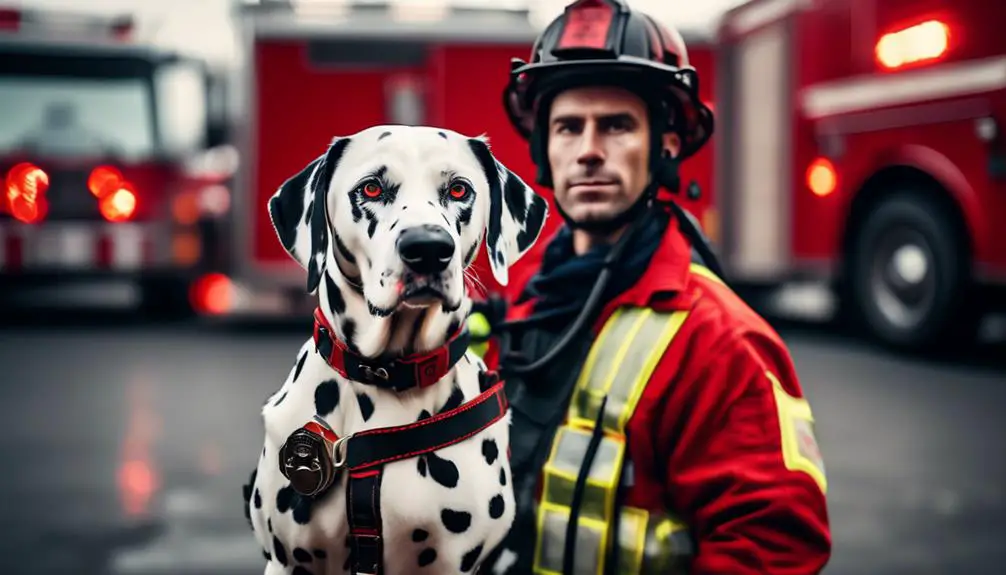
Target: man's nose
{"points": [[591, 150]]}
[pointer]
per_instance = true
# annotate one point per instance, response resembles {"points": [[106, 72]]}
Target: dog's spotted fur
{"points": [[445, 511]]}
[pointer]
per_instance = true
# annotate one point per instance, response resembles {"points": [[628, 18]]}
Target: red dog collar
{"points": [[398, 374]]}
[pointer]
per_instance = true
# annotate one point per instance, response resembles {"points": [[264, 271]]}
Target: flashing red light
{"points": [[26, 185], [119, 205], [822, 178], [104, 180], [923, 42], [212, 294]]}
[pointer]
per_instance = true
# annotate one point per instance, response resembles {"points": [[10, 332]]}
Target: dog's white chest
{"points": [[441, 513]]}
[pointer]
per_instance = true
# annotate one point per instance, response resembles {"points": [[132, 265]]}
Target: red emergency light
{"points": [[923, 42], [25, 188], [116, 196]]}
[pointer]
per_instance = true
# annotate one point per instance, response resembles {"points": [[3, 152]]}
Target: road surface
{"points": [[124, 448]]}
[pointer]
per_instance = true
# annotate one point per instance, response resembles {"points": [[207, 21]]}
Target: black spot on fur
{"points": [[470, 558], [442, 135], [258, 499], [448, 222], [302, 510], [489, 450], [300, 570], [424, 415], [336, 302], [421, 465], [366, 405], [287, 499], [280, 400], [487, 380], [267, 555], [455, 400], [308, 213], [349, 334], [502, 476], [472, 253], [432, 205], [300, 365], [372, 228], [427, 556], [302, 555], [465, 215], [456, 521], [393, 225], [320, 553], [383, 135], [284, 499], [443, 471], [279, 551], [419, 535], [268, 524], [246, 492], [326, 397], [496, 507]]}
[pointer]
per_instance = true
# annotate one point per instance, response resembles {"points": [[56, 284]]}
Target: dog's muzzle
{"points": [[426, 250]]}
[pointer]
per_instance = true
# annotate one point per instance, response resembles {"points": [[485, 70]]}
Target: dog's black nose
{"points": [[426, 249]]}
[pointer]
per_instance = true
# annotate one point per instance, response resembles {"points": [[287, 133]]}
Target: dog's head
{"points": [[406, 208]]}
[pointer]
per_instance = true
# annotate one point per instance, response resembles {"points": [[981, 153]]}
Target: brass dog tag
{"points": [[306, 460]]}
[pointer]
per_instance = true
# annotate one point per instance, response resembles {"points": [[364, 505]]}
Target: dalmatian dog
{"points": [[386, 223]]}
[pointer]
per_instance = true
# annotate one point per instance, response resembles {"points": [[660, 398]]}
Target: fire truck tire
{"points": [[909, 283]]}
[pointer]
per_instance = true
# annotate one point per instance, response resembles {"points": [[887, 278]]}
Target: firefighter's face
{"points": [[598, 150]]}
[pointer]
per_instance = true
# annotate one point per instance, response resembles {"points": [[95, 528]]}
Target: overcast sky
{"points": [[204, 26]]}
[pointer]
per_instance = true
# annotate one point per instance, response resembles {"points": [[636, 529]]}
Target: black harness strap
{"points": [[367, 452]]}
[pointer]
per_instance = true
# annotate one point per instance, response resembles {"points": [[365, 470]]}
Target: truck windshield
{"points": [[73, 116], [135, 106]]}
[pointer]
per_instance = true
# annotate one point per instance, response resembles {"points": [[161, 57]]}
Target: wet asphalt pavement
{"points": [[124, 448]]}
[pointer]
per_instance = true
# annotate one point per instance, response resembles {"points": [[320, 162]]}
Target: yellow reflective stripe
{"points": [[705, 272], [563, 467], [592, 540], [632, 539], [619, 365], [796, 427], [670, 329], [590, 392]]}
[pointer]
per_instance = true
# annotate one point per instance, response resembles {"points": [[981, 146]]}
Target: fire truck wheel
{"points": [[909, 279]]}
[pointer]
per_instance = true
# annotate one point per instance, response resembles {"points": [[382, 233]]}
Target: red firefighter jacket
{"points": [[709, 438]]}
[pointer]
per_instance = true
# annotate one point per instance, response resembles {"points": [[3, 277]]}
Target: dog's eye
{"points": [[458, 191], [372, 189]]}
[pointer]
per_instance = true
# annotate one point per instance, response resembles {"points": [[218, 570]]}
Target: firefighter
{"points": [[658, 425]]}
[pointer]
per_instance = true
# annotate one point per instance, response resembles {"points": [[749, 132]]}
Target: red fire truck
{"points": [[321, 70], [859, 141], [103, 155]]}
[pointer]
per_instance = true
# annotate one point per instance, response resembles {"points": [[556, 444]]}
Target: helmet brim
{"points": [[530, 84]]}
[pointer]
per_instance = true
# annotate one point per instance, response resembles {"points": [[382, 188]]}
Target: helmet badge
{"points": [[587, 25]]}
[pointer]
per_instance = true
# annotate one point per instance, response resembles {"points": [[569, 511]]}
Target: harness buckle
{"points": [[370, 374], [339, 452]]}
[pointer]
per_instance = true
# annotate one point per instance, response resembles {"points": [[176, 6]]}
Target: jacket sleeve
{"points": [[743, 467]]}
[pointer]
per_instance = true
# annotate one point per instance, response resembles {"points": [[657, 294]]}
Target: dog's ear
{"points": [[516, 213], [298, 212]]}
